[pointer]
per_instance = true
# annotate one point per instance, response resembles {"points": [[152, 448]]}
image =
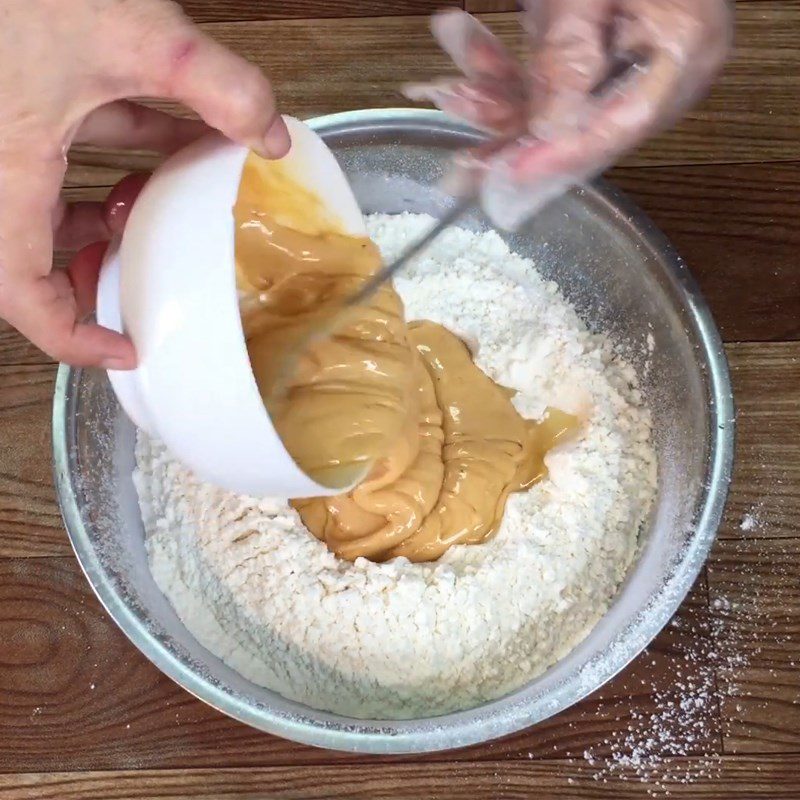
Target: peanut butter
{"points": [[475, 449], [441, 444], [350, 399]]}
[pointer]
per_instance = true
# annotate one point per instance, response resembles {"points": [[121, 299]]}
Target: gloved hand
{"points": [[65, 66], [561, 132]]}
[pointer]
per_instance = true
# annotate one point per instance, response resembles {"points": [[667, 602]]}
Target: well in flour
{"points": [[405, 640]]}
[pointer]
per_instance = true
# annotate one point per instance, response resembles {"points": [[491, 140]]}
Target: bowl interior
{"points": [[623, 278]]}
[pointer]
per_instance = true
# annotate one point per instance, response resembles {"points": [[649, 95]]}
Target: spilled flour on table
{"points": [[751, 520], [404, 640], [698, 689]]}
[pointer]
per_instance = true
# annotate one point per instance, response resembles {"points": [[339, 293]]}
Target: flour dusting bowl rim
{"points": [[600, 657]]}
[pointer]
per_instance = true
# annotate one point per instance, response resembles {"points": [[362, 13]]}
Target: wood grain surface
{"points": [[737, 226], [766, 485], [15, 349], [322, 66], [750, 116], [729, 779], [490, 6], [766, 481], [757, 580], [239, 10], [30, 523], [74, 695], [84, 715]]}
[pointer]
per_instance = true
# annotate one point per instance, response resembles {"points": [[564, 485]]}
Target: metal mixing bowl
{"points": [[623, 277]]}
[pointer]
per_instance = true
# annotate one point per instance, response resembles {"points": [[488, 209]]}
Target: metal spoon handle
{"points": [[451, 216]]}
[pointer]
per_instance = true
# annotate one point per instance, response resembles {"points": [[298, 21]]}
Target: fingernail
{"points": [[277, 141]]}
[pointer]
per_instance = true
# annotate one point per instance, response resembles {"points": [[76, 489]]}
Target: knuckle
{"points": [[155, 39], [248, 99], [249, 95]]}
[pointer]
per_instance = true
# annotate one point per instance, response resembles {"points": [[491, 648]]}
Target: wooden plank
{"points": [[16, 350], [727, 779], [239, 10], [361, 63], [30, 523], [92, 166], [754, 585], [75, 694], [738, 228], [765, 497], [39, 728], [750, 116], [491, 6], [766, 487], [732, 224], [735, 225]]}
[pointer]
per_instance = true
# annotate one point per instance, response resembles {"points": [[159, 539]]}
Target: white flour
{"points": [[408, 640]]}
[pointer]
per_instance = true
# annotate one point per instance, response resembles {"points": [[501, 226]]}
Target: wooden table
{"points": [[712, 709]]}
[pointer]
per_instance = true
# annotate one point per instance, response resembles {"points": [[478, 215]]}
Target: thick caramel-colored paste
{"points": [[349, 399], [441, 444]]}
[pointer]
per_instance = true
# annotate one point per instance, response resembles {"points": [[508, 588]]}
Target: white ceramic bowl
{"points": [[170, 284]]}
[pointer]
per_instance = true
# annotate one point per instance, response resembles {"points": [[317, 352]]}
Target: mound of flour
{"points": [[407, 640]]}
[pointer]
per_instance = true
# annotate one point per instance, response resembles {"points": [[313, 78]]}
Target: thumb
{"points": [[229, 93]]}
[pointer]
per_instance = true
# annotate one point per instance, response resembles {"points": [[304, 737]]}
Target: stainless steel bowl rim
{"points": [[525, 706]]}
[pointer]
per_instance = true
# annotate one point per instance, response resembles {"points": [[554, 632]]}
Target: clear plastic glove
{"points": [[65, 67], [562, 132]]}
